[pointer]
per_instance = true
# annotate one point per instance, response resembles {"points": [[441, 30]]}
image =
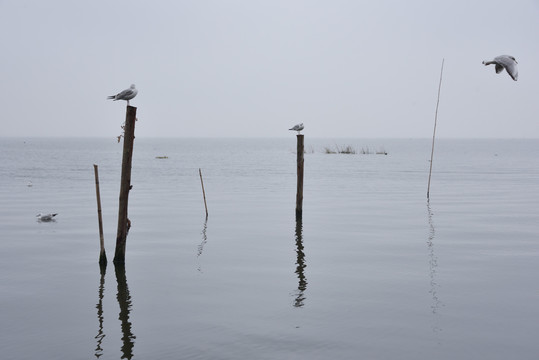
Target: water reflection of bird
{"points": [[506, 62], [45, 217], [127, 94], [297, 127]]}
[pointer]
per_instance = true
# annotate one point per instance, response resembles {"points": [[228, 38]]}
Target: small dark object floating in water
{"points": [[45, 217]]}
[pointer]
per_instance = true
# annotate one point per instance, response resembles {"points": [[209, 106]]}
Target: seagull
{"points": [[298, 127], [46, 217], [507, 62], [127, 94]]}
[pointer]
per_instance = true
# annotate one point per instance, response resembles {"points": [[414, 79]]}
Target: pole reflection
{"points": [[204, 240], [433, 265], [300, 265], [99, 306], [124, 300]]}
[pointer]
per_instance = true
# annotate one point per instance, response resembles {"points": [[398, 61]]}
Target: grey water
{"points": [[371, 271]]}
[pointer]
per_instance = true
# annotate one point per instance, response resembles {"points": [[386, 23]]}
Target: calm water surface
{"points": [[372, 271]]}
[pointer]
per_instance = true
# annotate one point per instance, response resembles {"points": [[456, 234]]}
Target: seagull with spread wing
{"points": [[506, 62]]}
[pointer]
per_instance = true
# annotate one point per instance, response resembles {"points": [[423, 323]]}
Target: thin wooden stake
{"points": [[125, 184], [203, 192], [102, 254], [434, 132], [299, 192]]}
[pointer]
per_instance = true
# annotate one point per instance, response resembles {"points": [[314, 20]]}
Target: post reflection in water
{"points": [[99, 306], [433, 265], [204, 240], [124, 300], [300, 265]]}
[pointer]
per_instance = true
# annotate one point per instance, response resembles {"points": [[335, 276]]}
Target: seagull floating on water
{"points": [[507, 62], [127, 94], [45, 217], [298, 127]]}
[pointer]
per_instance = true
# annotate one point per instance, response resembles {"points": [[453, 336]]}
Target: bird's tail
{"points": [[53, 215], [111, 97]]}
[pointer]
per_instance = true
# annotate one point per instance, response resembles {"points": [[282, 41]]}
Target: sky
{"points": [[253, 68]]}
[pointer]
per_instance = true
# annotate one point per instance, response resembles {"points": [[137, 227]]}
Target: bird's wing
{"points": [[499, 68], [509, 64], [124, 94]]}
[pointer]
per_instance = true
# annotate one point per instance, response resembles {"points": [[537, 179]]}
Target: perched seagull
{"points": [[506, 62], [46, 217], [127, 94], [298, 127]]}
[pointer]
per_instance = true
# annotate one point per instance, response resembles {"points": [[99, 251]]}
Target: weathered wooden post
{"points": [[102, 254], [203, 191], [125, 185], [299, 192]]}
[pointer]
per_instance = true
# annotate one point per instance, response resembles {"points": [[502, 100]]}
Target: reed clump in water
{"points": [[348, 149]]}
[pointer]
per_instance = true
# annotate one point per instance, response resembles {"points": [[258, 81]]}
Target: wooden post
{"points": [[299, 193], [203, 192], [125, 185], [434, 131], [102, 254]]}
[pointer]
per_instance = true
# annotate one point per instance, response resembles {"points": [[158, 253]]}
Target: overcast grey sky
{"points": [[253, 68]]}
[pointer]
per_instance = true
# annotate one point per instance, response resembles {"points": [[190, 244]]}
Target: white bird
{"points": [[45, 217], [127, 94], [507, 62], [298, 127]]}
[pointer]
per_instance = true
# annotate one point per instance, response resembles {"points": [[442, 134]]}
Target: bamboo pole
{"points": [[102, 254], [203, 192], [299, 192], [125, 184], [434, 132]]}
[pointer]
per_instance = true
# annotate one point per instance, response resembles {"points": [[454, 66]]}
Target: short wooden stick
{"points": [[125, 184], [203, 191], [102, 254], [299, 192]]}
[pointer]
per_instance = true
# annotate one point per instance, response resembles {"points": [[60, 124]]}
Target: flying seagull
{"points": [[506, 62], [127, 94], [298, 127], [45, 217]]}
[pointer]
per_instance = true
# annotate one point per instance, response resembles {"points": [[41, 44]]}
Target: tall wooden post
{"points": [[102, 254], [299, 193], [125, 185], [434, 132]]}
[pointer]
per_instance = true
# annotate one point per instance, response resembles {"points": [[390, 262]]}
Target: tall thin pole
{"points": [[434, 132], [102, 254], [299, 193], [203, 192], [125, 185]]}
